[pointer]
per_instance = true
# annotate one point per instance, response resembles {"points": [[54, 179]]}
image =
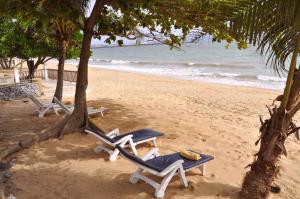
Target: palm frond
{"points": [[271, 25]]}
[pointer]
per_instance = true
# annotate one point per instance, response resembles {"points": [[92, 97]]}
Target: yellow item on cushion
{"points": [[190, 155]]}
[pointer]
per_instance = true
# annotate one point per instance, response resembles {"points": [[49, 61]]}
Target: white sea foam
{"points": [[120, 62], [211, 63], [270, 78], [228, 74]]}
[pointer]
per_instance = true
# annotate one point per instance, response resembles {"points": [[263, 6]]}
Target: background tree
{"points": [[274, 27], [54, 20], [5, 42], [26, 40], [64, 28]]}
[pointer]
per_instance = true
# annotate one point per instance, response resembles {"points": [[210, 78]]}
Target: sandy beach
{"points": [[219, 120]]}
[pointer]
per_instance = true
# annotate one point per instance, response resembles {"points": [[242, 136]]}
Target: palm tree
{"points": [[274, 27]]}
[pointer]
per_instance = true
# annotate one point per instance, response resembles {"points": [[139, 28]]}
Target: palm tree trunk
{"points": [[274, 131], [60, 71], [257, 182]]}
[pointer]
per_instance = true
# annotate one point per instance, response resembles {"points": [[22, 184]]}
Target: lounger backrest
{"points": [[100, 134], [135, 159], [62, 105]]}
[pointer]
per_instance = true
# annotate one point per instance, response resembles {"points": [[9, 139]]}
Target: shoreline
{"points": [[72, 66]]}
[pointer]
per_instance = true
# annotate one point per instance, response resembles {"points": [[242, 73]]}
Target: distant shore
{"points": [[132, 45]]}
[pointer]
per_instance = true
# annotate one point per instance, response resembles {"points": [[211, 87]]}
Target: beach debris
{"points": [[5, 166], [275, 189], [192, 185], [278, 99]]}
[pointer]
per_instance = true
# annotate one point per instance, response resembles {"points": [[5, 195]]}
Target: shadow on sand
{"points": [[64, 183]]}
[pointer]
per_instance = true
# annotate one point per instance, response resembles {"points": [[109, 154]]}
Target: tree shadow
{"points": [[117, 116], [217, 189], [58, 183], [19, 120], [200, 189]]}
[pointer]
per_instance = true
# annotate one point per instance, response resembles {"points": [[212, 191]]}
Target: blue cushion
{"points": [[140, 135], [160, 163]]}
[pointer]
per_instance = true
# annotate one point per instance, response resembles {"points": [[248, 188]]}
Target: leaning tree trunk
{"points": [[60, 71], [79, 117], [274, 131]]}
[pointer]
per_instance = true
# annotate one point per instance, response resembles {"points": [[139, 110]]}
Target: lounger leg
{"points": [[154, 142], [55, 111], [133, 178], [202, 169], [43, 112], [99, 148], [101, 113], [113, 156], [132, 146], [160, 191], [182, 176]]}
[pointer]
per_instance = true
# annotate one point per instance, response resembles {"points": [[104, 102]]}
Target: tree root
{"points": [[46, 134]]}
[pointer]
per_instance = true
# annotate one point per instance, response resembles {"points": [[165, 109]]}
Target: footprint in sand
{"points": [[171, 137], [191, 186]]}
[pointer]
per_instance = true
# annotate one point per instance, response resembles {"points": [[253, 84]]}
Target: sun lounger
{"points": [[43, 108], [165, 166], [69, 109], [130, 139]]}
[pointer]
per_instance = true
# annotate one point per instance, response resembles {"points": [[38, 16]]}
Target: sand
{"points": [[215, 119]]}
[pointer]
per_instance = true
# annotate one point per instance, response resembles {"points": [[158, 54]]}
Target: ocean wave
{"points": [[158, 63], [228, 74], [122, 62], [241, 77], [254, 80], [270, 78]]}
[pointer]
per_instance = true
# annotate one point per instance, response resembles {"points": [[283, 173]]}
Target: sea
{"points": [[203, 61]]}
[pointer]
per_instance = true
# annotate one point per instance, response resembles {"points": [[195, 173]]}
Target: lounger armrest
{"points": [[171, 167], [113, 133], [151, 154], [123, 140]]}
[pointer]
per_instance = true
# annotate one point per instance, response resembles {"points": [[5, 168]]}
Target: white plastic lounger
{"points": [[165, 166], [69, 109], [130, 139], [43, 108]]}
